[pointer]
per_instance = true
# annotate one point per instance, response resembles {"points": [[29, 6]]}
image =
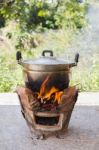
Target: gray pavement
{"points": [[83, 131]]}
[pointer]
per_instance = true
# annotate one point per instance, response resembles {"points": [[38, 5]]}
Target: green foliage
{"points": [[10, 74], [9, 78], [70, 14], [30, 15]]}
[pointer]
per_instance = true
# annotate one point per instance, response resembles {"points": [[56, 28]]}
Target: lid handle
{"points": [[47, 51]]}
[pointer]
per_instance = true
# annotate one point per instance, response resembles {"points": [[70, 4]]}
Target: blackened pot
{"points": [[56, 71]]}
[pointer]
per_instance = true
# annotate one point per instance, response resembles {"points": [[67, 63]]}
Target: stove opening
{"points": [[50, 121]]}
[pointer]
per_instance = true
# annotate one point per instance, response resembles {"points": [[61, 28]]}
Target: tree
{"points": [[31, 14]]}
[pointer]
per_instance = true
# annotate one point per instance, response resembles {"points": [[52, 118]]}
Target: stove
{"points": [[45, 120], [46, 99]]}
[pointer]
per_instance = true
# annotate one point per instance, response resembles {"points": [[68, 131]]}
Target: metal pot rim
{"points": [[46, 63]]}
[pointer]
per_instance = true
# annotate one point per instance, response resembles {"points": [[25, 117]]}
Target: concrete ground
{"points": [[83, 131]]}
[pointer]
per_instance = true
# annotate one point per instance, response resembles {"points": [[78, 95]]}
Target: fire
{"points": [[52, 94], [43, 87], [58, 96]]}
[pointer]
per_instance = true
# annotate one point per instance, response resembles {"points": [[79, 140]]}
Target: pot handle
{"points": [[18, 57], [77, 58], [47, 51]]}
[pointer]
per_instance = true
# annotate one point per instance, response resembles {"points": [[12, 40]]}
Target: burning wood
{"points": [[48, 94], [49, 101]]}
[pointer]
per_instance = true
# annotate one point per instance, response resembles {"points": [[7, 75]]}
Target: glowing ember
{"points": [[52, 94]]}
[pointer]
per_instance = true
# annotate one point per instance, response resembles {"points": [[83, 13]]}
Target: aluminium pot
{"points": [[47, 67]]}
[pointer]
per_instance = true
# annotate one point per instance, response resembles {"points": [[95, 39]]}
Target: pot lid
{"points": [[47, 63]]}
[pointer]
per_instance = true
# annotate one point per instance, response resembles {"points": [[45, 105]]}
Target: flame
{"points": [[58, 96], [52, 94], [43, 87]]}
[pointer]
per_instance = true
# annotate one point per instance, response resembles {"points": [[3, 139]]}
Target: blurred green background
{"points": [[66, 27]]}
